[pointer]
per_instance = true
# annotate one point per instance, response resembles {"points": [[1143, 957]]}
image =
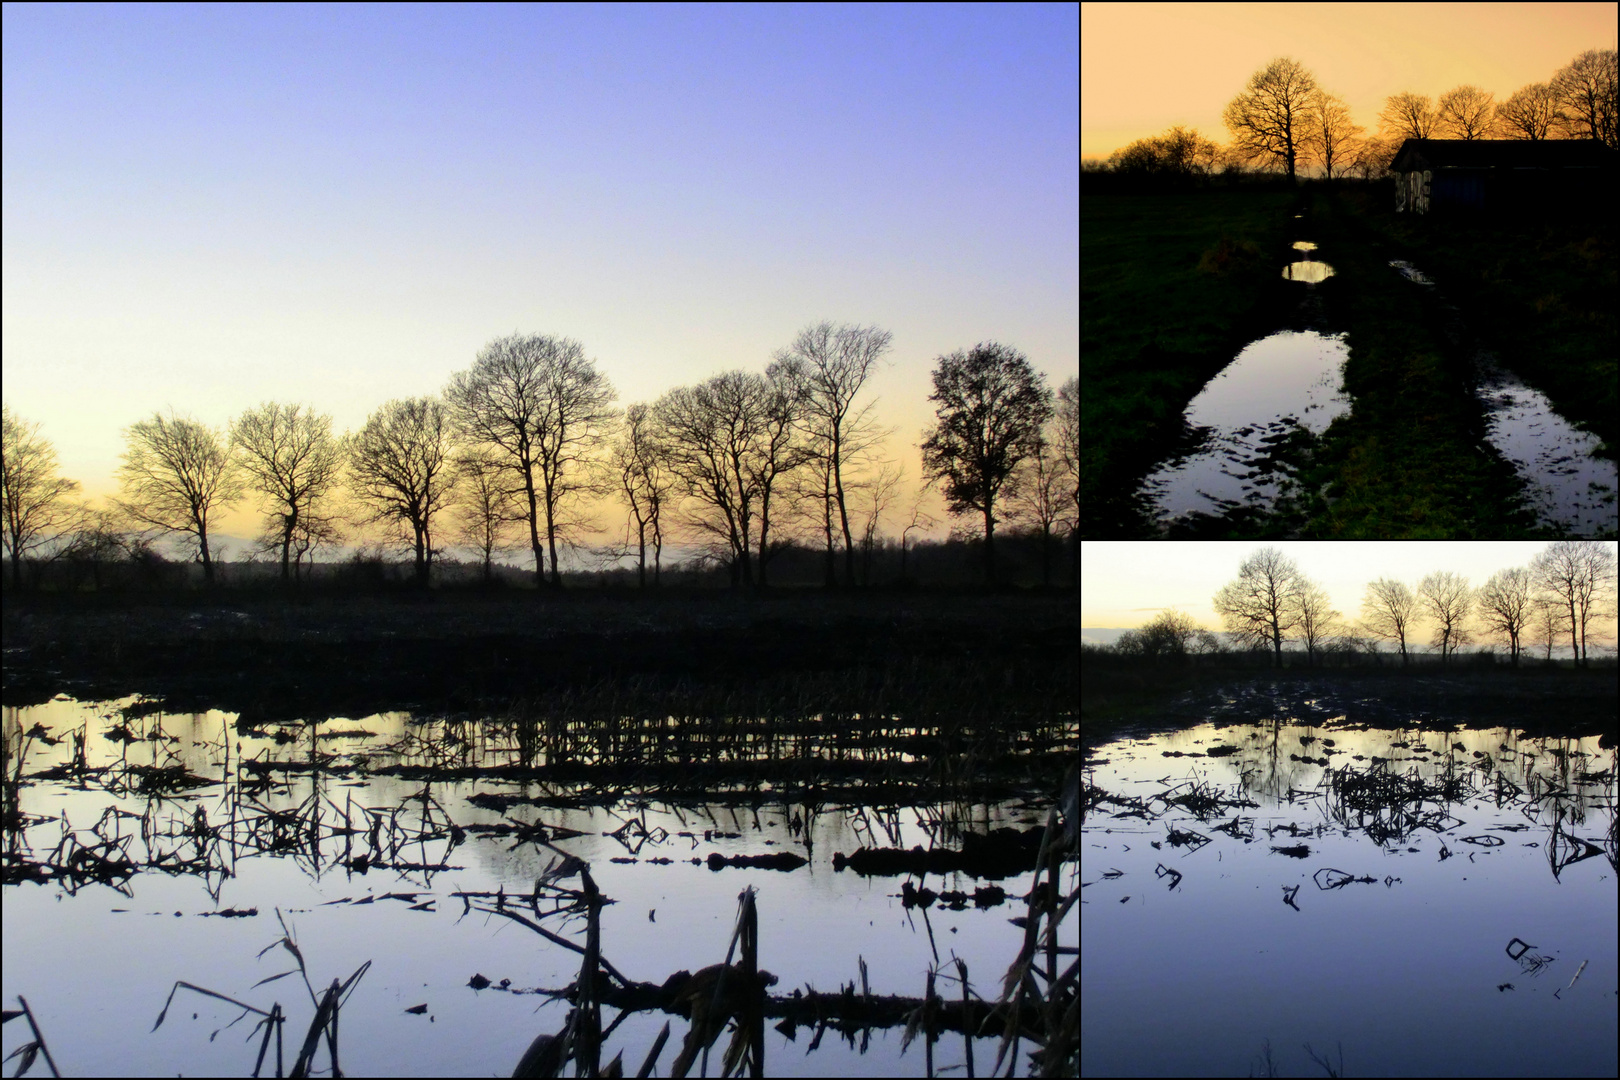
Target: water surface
{"points": [[1316, 880]]}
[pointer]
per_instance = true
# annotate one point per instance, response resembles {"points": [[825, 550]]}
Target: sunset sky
{"points": [[1125, 583], [209, 207], [1148, 67]]}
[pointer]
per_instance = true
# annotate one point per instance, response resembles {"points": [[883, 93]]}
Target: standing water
{"points": [[1278, 386]]}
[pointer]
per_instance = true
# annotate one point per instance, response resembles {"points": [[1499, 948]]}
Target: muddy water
{"points": [[1568, 486], [1314, 880], [365, 859], [1287, 381]]}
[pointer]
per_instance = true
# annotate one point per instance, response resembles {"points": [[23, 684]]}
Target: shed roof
{"points": [[1418, 154]]}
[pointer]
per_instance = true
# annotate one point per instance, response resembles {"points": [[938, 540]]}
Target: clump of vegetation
{"points": [[1229, 257]]}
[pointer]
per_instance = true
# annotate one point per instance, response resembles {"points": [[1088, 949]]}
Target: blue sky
{"points": [[207, 207]]}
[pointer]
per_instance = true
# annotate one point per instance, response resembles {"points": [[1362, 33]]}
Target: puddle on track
{"points": [[1413, 859], [1568, 486], [1289, 380]]}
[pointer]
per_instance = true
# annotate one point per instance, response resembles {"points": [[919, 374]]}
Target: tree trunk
{"points": [[989, 543]]}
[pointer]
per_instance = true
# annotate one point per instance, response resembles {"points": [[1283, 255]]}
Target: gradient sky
{"points": [[1148, 67], [1125, 583], [209, 207]]}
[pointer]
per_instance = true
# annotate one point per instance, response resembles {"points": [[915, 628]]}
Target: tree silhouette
{"points": [[1387, 611], [991, 407], [1270, 119], [544, 408], [1586, 90], [1262, 605], [401, 466], [1505, 607], [1467, 113], [33, 496], [1531, 113], [1447, 599], [1409, 116], [291, 458], [176, 473]]}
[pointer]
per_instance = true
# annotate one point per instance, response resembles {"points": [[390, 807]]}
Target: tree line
{"points": [[528, 439], [1559, 596], [1285, 119]]}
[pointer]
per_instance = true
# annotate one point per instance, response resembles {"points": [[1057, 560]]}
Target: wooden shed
{"points": [[1503, 175]]}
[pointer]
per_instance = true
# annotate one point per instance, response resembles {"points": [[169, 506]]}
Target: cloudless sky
{"points": [[206, 207], [1148, 67], [1125, 583]]}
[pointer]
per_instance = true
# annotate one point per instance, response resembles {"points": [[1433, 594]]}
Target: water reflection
{"points": [[1328, 877], [1567, 484], [1410, 272], [136, 830], [1304, 245], [1308, 271], [1277, 386]]}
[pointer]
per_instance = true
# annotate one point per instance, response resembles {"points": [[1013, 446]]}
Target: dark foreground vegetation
{"points": [[348, 655], [1121, 697], [1175, 284]]}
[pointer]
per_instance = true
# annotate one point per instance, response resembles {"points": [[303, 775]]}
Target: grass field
{"points": [[1174, 285]]}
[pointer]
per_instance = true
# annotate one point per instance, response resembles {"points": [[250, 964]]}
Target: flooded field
{"points": [[1414, 900], [448, 872]]}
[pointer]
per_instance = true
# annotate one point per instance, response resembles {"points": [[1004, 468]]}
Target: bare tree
{"points": [[175, 474], [1387, 612], [646, 481], [1545, 621], [1180, 155], [1331, 134], [402, 467], [728, 441], [290, 458], [830, 365], [991, 406], [34, 497], [1409, 116], [543, 406], [1446, 598], [1531, 113], [1316, 620], [779, 452], [875, 494], [1576, 577], [916, 521], [1505, 608], [1067, 443], [1586, 91], [1262, 605], [488, 505], [1467, 112], [1039, 500], [1271, 118]]}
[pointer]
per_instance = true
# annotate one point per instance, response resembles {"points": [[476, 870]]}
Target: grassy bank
{"points": [[1172, 286]]}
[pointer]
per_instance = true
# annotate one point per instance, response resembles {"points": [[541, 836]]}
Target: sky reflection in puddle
{"points": [[1289, 379], [1308, 270], [1567, 484]]}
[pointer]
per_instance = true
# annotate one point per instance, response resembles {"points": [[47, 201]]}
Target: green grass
{"points": [[1171, 286]]}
